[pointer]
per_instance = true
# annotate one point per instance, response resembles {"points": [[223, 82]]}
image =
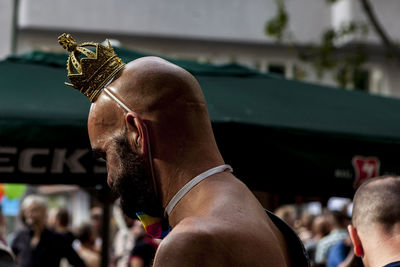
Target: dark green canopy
{"points": [[279, 135]]}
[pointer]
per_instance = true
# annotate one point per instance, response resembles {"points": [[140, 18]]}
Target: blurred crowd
{"points": [[46, 238], [324, 234], [344, 234]]}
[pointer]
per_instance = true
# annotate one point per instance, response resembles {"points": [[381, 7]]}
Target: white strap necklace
{"points": [[186, 188]]}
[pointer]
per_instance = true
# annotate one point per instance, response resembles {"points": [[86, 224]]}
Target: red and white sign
{"points": [[365, 167]]}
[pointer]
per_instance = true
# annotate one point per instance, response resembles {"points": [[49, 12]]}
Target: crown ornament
{"points": [[89, 70]]}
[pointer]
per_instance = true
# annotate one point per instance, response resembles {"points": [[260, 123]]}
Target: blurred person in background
{"points": [[61, 224], [287, 213], [338, 221], [320, 228], [305, 226], [37, 245], [96, 219], [51, 218], [123, 242], [2, 228], [142, 254], [375, 227], [86, 237], [7, 257], [341, 255]]}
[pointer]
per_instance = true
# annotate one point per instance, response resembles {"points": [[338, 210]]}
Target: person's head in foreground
{"points": [[375, 228], [149, 121], [168, 126]]}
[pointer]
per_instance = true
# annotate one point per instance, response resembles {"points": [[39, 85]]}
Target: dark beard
{"points": [[133, 182]]}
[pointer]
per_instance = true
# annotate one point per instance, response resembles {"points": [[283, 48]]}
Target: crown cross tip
{"points": [[67, 42]]}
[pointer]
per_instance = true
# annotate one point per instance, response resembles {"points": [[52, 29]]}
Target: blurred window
{"points": [[277, 69]]}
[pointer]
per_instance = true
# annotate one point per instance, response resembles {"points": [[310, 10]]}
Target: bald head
{"points": [[160, 92], [377, 202], [149, 84], [167, 111]]}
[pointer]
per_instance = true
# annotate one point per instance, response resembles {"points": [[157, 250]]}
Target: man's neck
{"points": [[192, 183], [382, 249], [173, 179], [198, 200]]}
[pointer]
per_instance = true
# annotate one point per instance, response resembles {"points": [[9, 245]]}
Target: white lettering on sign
{"points": [[26, 157], [10, 151], [46, 160], [60, 159], [343, 173], [99, 169]]}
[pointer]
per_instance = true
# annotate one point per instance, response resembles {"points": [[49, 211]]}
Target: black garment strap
{"points": [[393, 264], [298, 254]]}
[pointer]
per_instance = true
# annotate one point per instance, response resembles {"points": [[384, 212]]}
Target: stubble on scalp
{"points": [[376, 202]]}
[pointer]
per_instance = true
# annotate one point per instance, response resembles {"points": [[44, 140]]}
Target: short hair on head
{"points": [[84, 232], [34, 199], [338, 218], [321, 225], [62, 216], [376, 201], [286, 212]]}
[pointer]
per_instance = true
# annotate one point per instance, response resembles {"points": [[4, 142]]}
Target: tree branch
{"points": [[377, 25]]}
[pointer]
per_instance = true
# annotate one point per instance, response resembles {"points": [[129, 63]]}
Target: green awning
{"points": [[272, 130]]}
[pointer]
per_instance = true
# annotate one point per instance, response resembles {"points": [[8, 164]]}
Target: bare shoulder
{"points": [[204, 241], [189, 245], [227, 232]]}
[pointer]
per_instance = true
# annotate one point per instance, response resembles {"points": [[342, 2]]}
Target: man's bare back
{"points": [[229, 227]]}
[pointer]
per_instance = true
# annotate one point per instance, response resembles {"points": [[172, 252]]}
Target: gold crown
{"points": [[91, 73]]}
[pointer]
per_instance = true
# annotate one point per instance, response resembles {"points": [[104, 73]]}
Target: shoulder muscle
{"points": [[188, 249]]}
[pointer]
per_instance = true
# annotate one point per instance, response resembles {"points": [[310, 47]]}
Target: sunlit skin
{"points": [[219, 222], [104, 126]]}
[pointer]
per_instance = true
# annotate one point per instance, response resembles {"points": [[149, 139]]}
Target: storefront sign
{"points": [[365, 167], [48, 161]]}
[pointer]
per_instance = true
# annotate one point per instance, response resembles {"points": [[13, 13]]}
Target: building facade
{"points": [[219, 32]]}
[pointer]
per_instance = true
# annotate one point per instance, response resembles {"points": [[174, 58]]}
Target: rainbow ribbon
{"points": [[152, 225]]}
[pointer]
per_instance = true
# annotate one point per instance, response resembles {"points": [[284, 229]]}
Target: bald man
{"points": [[375, 229], [152, 127]]}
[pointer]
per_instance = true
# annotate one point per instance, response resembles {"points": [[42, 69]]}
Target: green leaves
{"points": [[276, 26], [325, 56]]}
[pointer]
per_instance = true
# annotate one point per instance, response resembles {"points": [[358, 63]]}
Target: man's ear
{"points": [[355, 239], [136, 132]]}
